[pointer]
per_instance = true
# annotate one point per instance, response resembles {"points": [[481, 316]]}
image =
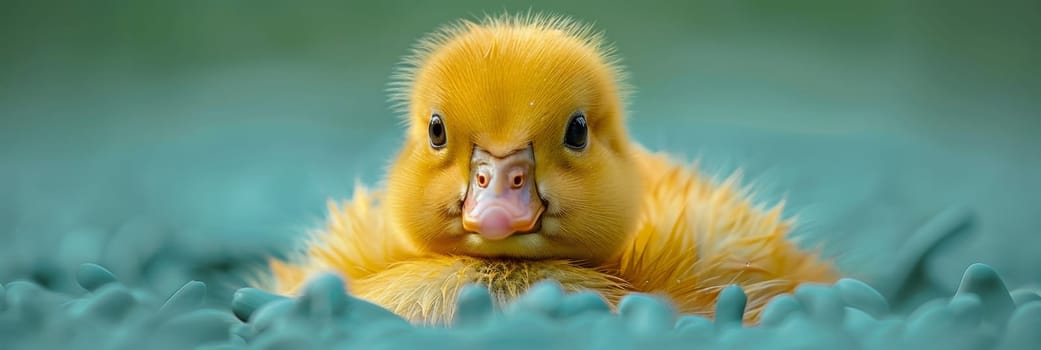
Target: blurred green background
{"points": [[218, 129]]}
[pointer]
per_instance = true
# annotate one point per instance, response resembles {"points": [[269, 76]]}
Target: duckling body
{"points": [[516, 169]]}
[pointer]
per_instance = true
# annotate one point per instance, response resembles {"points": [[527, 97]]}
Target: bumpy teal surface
{"points": [[982, 314]]}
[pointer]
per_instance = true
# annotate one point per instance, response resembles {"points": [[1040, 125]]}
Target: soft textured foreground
{"points": [[983, 314]]}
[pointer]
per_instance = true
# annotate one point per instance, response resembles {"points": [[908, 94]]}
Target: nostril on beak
{"points": [[518, 181]]}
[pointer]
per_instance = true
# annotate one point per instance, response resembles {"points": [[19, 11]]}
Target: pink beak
{"points": [[501, 199]]}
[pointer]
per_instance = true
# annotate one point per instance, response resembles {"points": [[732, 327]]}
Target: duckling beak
{"points": [[502, 199]]}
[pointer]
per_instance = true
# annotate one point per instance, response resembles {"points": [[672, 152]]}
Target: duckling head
{"points": [[515, 143]]}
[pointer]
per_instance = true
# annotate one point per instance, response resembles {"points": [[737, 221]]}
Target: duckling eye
{"points": [[437, 132], [577, 132]]}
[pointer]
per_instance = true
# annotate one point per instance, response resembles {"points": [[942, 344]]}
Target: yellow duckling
{"points": [[517, 167]]}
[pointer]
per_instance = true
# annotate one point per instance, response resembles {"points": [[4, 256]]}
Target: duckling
{"points": [[517, 167]]}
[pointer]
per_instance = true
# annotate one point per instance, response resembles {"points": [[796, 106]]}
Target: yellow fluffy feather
{"points": [[618, 218]]}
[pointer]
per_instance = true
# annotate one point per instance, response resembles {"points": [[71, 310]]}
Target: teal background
{"points": [[218, 129]]}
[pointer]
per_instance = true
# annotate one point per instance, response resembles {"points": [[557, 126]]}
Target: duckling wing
{"points": [[355, 244], [695, 238]]}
